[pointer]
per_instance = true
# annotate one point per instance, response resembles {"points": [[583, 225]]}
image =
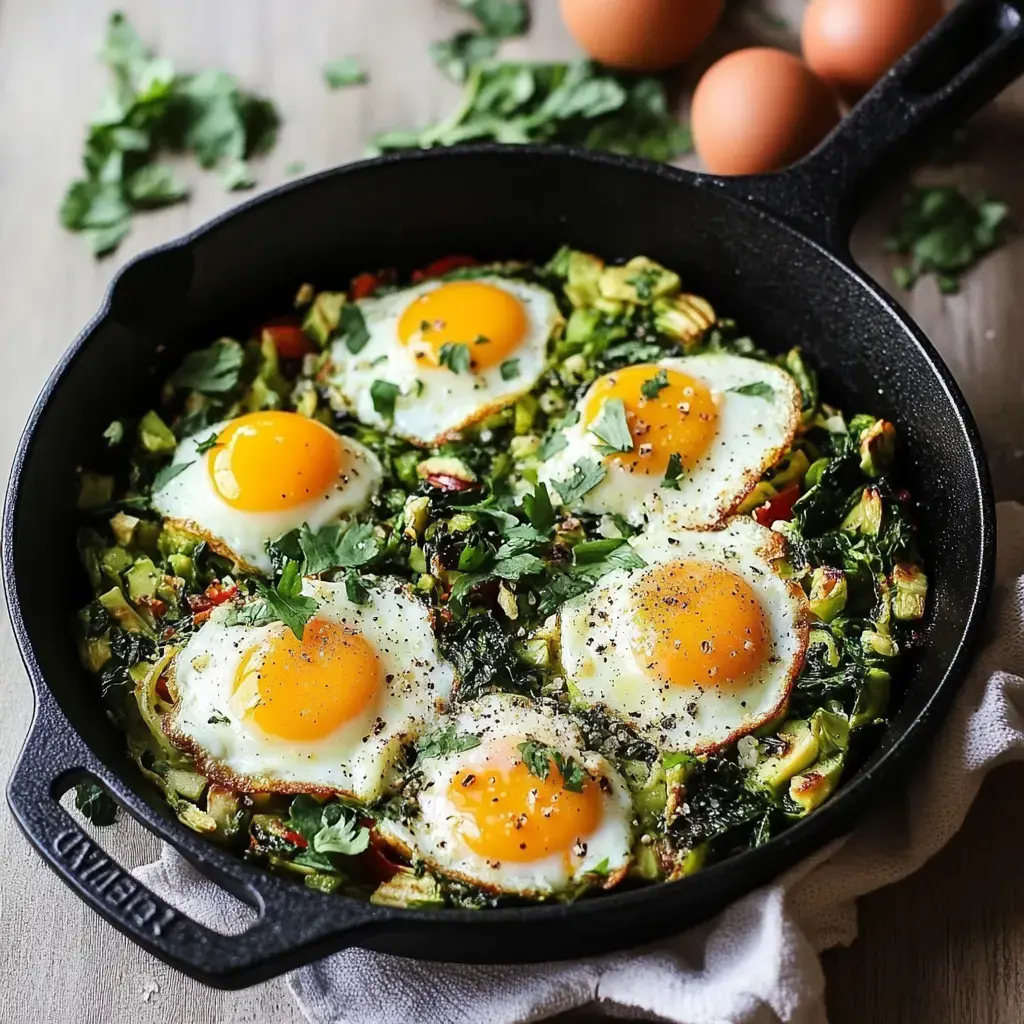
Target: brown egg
{"points": [[641, 35], [852, 43], [758, 110]]}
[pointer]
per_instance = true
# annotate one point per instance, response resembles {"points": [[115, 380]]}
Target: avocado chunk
{"points": [[911, 591], [323, 317], [801, 752], [123, 613], [142, 579], [155, 436], [582, 277], [94, 491], [873, 698], [829, 592], [640, 280], [812, 788], [406, 889], [686, 318]]}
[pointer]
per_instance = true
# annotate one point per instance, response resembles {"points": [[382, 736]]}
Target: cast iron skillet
{"points": [[769, 250]]}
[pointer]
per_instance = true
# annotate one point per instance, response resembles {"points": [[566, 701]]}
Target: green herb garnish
{"points": [[538, 758], [448, 740], [344, 71], [383, 394], [653, 386], [586, 475], [757, 389], [455, 355], [611, 428]]}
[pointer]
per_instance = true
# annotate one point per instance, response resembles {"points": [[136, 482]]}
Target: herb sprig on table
{"points": [[150, 109]]}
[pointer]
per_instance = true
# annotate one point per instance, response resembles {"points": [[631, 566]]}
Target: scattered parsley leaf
{"points": [[202, 447], [673, 472], [589, 551], [340, 832], [236, 176], [757, 389], [538, 509], [612, 429], [334, 546], [510, 369], [295, 167], [674, 760], [556, 440], [457, 55], [384, 393], [355, 589], [94, 804], [114, 434], [586, 475], [653, 386], [455, 355], [211, 371], [500, 19], [283, 603], [517, 566], [165, 475], [643, 283], [563, 585], [352, 327], [358, 546], [344, 71], [519, 538], [538, 758], [945, 232], [602, 870], [442, 742], [218, 719], [154, 185]]}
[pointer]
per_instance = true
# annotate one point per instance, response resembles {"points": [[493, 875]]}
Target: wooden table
{"points": [[943, 946]]}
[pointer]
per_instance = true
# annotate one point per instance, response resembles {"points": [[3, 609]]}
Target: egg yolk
{"points": [[698, 624], [489, 321], [266, 461], [305, 689], [681, 418], [507, 813]]}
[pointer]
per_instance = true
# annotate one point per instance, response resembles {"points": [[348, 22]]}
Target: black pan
{"points": [[769, 250]]}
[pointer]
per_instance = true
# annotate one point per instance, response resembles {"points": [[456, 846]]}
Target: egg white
{"points": [[433, 835], [753, 434], [434, 402], [192, 503], [358, 758], [597, 630]]}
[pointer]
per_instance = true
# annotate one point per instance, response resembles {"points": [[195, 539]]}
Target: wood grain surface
{"points": [[944, 947]]}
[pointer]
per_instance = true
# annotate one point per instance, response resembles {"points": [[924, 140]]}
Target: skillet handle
{"points": [[291, 919], [965, 61]]}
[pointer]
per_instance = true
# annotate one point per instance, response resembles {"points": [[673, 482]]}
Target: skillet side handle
{"points": [[964, 62], [53, 760]]}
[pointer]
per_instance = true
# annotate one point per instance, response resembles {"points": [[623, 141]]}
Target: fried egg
{"points": [[421, 340], [698, 648], [486, 817], [703, 429], [248, 480], [262, 710]]}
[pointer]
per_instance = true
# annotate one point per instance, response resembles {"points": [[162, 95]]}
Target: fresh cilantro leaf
{"points": [[202, 447], [500, 19], [211, 371], [471, 557], [612, 429], [94, 804], [340, 832], [384, 393], [629, 352], [305, 816], [757, 389], [563, 585], [517, 566], [589, 551], [674, 760], [455, 355], [114, 434], [652, 387], [601, 870], [643, 282], [945, 232], [283, 603], [218, 719], [519, 538], [673, 472], [355, 589], [556, 440], [165, 475], [295, 167], [456, 56], [334, 546], [510, 369], [352, 327], [538, 759], [442, 742], [539, 510], [236, 176], [155, 185], [344, 71], [586, 475], [358, 546], [504, 520]]}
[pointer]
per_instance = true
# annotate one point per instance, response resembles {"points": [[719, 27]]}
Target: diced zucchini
{"points": [[407, 889], [123, 613], [800, 753], [686, 318], [584, 273], [123, 527], [174, 540], [183, 566], [95, 490], [323, 316], [810, 790], [190, 785], [142, 579], [641, 280], [323, 882], [155, 436], [873, 698]]}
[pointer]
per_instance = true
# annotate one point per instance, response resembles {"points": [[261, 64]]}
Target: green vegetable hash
{"points": [[511, 761]]}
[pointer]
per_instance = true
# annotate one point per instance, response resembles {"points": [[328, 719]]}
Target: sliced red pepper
{"points": [[156, 606], [364, 285], [198, 602], [295, 838], [290, 340], [162, 690], [378, 859], [443, 482], [779, 508], [217, 593], [200, 617], [445, 265]]}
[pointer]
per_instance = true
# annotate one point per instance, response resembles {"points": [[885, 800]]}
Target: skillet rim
{"points": [[837, 816]]}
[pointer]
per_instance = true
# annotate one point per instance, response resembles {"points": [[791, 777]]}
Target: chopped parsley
{"points": [[538, 759], [612, 429], [207, 444], [213, 371], [384, 394], [673, 472], [455, 355], [282, 603], [344, 71], [510, 369], [757, 389], [352, 327], [653, 386], [586, 475], [445, 741]]}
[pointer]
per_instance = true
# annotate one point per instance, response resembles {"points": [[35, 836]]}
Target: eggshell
{"points": [[759, 110], [852, 43], [641, 35]]}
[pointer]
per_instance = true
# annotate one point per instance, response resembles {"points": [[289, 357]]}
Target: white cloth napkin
{"points": [[755, 963]]}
